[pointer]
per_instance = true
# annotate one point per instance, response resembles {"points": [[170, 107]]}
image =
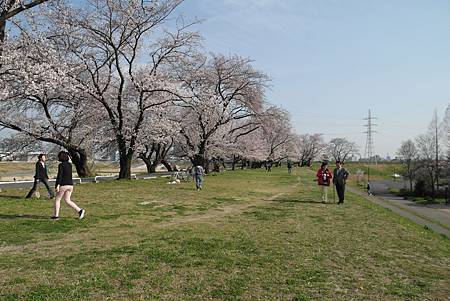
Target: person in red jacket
{"points": [[324, 177]]}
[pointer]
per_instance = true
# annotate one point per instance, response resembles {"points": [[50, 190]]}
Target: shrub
{"points": [[420, 188]]}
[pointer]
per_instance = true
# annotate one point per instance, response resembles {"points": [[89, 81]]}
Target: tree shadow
{"points": [[21, 216]]}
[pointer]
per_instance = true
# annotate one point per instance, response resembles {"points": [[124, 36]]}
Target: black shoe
{"points": [[81, 213], [55, 218]]}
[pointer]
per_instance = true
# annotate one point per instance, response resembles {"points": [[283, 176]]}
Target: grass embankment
{"points": [[249, 235]]}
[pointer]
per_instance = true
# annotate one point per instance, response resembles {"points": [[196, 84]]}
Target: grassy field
{"points": [[249, 235]]}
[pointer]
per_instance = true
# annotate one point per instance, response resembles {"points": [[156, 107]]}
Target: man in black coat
{"points": [[41, 176], [339, 180]]}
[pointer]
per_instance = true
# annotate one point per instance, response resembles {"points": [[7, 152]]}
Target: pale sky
{"points": [[332, 60]]}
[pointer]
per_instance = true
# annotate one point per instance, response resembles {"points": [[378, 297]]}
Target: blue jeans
{"points": [[198, 181]]}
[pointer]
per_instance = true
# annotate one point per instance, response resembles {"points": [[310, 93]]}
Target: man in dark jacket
{"points": [[41, 175], [340, 176]]}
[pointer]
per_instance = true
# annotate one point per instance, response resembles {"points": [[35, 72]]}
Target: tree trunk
{"points": [[216, 165], [79, 159], [2, 34], [2, 37], [235, 160], [167, 165], [199, 159], [148, 162], [222, 161], [125, 165]]}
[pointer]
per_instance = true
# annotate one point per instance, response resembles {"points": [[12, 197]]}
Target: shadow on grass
{"points": [[303, 201], [22, 216], [17, 197], [187, 188]]}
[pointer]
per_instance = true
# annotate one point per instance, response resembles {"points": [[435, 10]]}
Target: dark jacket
{"points": [[340, 177], [64, 174], [324, 177], [41, 172]]}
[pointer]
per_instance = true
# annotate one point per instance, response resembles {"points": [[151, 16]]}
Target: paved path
{"points": [[435, 217], [29, 184]]}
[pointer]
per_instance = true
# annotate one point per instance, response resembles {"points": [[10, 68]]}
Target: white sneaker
{"points": [[81, 213]]}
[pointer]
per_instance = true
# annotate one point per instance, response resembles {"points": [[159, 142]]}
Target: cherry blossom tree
{"points": [[19, 145], [158, 137], [40, 99], [11, 8], [251, 148], [125, 53], [277, 133], [310, 147], [222, 96]]}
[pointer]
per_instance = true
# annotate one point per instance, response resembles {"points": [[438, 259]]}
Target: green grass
{"points": [[378, 171], [418, 200], [427, 201], [249, 235]]}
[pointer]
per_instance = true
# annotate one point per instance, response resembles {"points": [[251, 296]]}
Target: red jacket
{"points": [[324, 177]]}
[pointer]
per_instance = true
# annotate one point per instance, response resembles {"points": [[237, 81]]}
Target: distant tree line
{"points": [[426, 160]]}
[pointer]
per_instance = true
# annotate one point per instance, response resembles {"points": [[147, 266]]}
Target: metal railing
{"points": [[96, 179]]}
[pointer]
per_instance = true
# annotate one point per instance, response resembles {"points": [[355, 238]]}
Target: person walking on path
{"points": [[324, 177], [64, 186], [289, 166], [198, 172], [340, 176], [41, 176], [269, 165], [369, 189]]}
